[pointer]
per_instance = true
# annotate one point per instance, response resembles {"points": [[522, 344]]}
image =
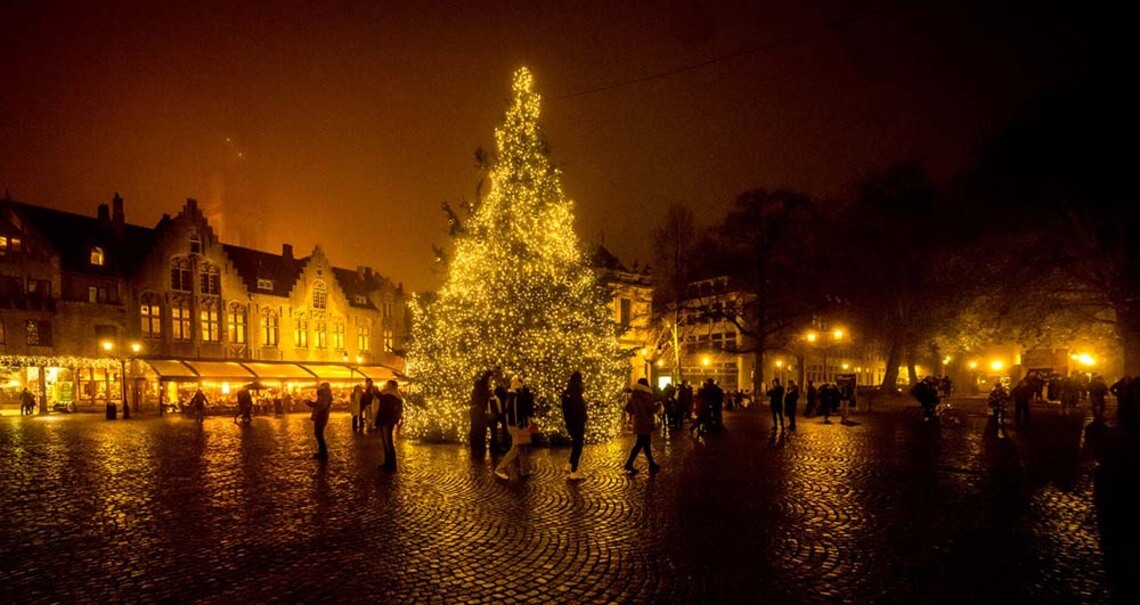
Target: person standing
{"points": [[480, 392], [574, 412], [791, 396], [368, 405], [643, 407], [389, 415], [494, 416], [518, 412], [320, 418], [1098, 393], [354, 408], [1022, 393], [198, 406], [776, 403], [713, 397], [27, 402], [685, 401], [812, 399]]}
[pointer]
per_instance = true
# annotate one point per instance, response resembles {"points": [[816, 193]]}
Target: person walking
{"points": [[245, 406], [389, 415], [642, 407], [198, 406], [791, 396], [494, 416], [518, 412], [368, 406], [776, 403], [574, 412], [320, 418], [354, 408]]}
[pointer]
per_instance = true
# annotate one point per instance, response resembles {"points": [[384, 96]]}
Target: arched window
{"points": [[180, 278], [320, 295], [209, 282], [269, 328], [97, 256], [150, 311], [210, 316], [236, 329]]}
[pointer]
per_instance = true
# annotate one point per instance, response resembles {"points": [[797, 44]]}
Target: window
{"points": [[97, 256], [211, 328], [322, 334], [209, 282], [338, 336], [236, 324], [388, 341], [301, 332], [625, 307], [151, 314], [360, 299], [265, 284], [320, 295], [96, 294], [180, 278], [195, 244], [180, 320], [269, 328], [387, 309], [38, 332], [9, 244], [363, 339], [40, 288]]}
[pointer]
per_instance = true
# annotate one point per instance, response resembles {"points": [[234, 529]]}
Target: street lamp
{"points": [[836, 336]]}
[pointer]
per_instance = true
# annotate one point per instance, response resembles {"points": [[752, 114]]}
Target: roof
{"points": [[604, 259], [253, 265], [354, 284], [74, 235]]}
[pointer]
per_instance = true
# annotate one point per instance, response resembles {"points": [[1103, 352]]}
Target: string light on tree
{"points": [[519, 296]]}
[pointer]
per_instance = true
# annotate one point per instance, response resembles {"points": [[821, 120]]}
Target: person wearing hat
{"points": [[518, 411], [320, 417]]}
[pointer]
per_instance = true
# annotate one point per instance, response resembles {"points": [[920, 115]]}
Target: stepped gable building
{"points": [[79, 294]]}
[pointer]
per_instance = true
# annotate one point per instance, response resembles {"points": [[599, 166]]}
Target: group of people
{"points": [[27, 402], [372, 410], [825, 400]]}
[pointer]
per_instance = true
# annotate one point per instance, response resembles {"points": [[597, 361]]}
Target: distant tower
{"points": [[235, 204]]}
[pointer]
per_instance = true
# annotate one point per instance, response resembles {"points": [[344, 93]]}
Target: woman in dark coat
{"points": [[574, 411], [390, 413]]}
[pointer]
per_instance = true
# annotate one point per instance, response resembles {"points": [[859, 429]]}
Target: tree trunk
{"points": [[891, 377], [911, 371]]}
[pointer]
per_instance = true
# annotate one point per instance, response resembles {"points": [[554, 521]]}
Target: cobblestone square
{"points": [[886, 510]]}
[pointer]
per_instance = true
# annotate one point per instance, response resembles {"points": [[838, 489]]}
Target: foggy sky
{"points": [[348, 124]]}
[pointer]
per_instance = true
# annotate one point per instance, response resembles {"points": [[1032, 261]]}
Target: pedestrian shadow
{"points": [[777, 439]]}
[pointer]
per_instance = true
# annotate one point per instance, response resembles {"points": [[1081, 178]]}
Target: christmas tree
{"points": [[519, 297]]}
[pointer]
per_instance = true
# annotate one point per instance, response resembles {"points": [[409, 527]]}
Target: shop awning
{"points": [[334, 372], [221, 370], [378, 374], [171, 369], [279, 371]]}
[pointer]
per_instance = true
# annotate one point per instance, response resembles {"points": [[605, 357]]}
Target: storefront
{"points": [[60, 383]]}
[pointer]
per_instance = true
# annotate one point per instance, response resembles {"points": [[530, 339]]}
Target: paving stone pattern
{"points": [[887, 510]]}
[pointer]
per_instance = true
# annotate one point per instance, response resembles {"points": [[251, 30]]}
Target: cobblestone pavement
{"points": [[885, 510]]}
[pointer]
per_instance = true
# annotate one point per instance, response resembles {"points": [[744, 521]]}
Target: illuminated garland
{"points": [[55, 361], [519, 296]]}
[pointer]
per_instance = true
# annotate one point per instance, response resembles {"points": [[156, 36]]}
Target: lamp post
{"points": [[825, 343]]}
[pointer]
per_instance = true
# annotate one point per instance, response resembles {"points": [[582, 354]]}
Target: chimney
{"points": [[191, 204], [287, 251], [104, 214], [117, 217], [360, 272]]}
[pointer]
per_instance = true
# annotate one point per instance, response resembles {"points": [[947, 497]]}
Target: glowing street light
{"points": [[997, 365], [837, 334], [812, 336], [779, 363], [973, 365], [1086, 360], [705, 361]]}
